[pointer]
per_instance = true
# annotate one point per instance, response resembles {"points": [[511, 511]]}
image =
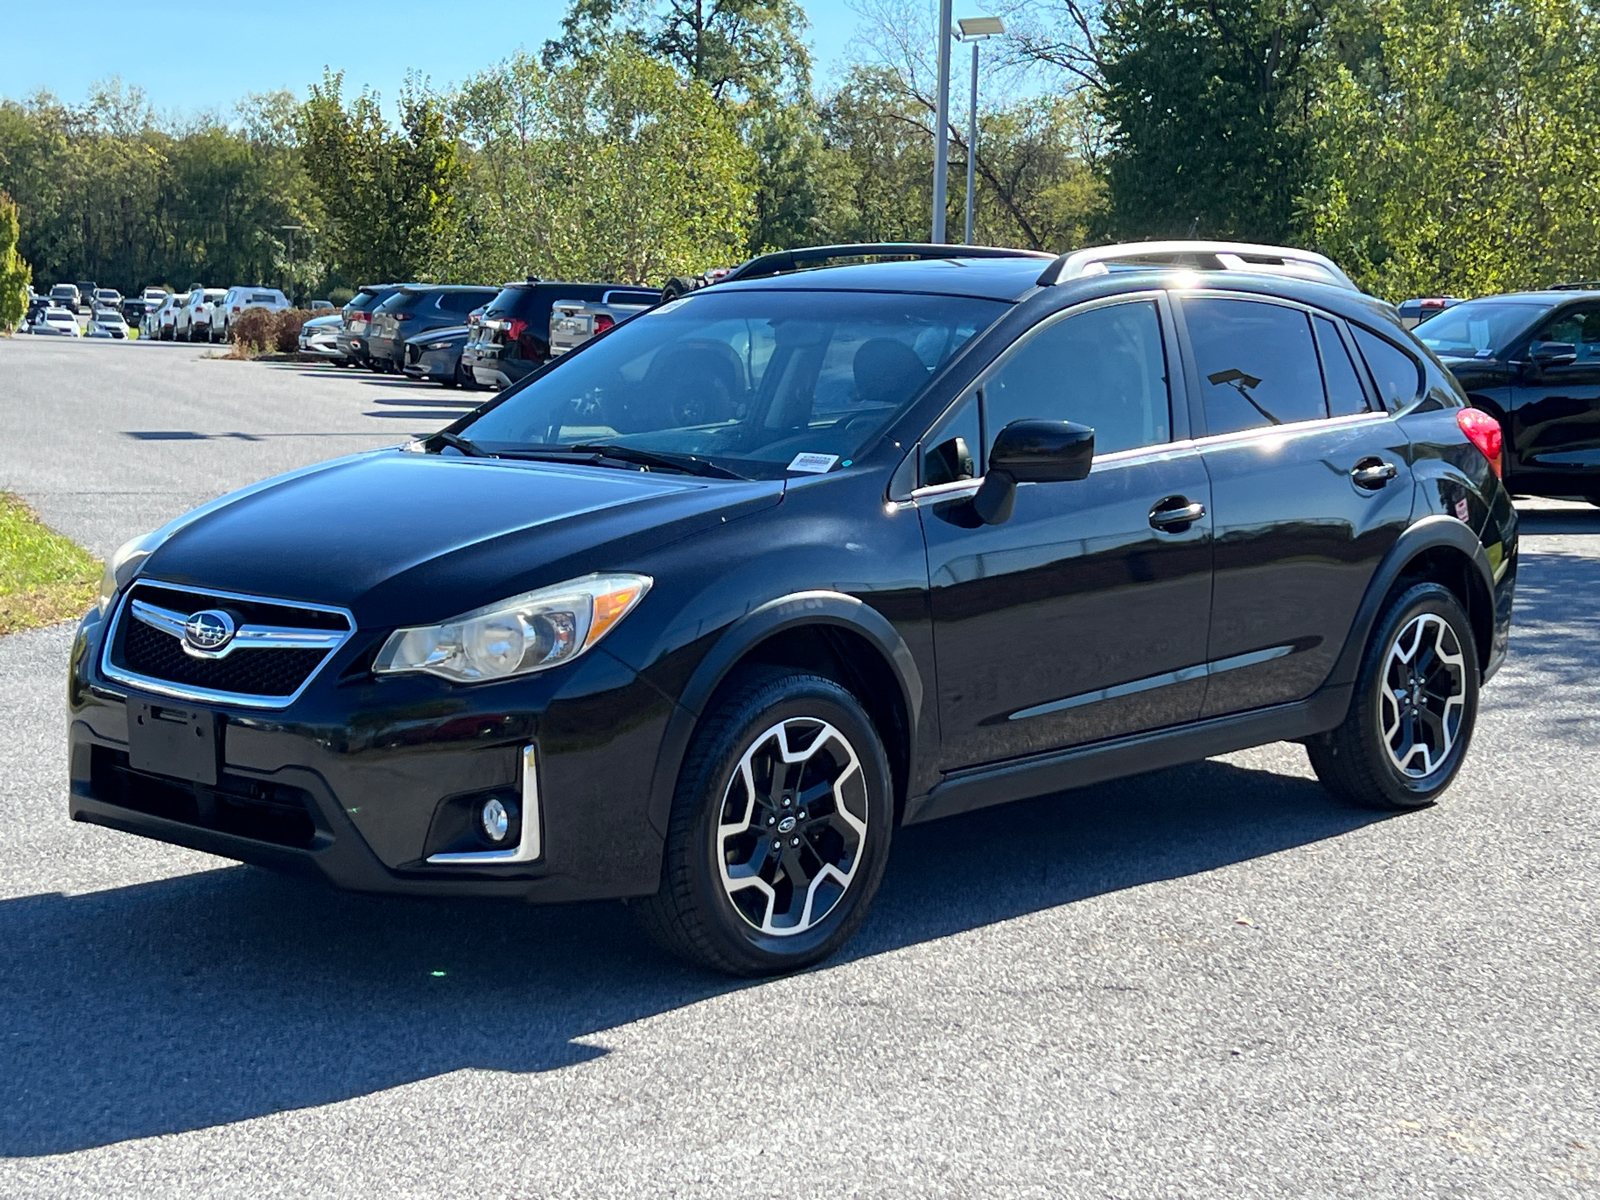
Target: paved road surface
{"points": [[1211, 981]]}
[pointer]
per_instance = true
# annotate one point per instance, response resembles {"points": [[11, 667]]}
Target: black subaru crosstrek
{"points": [[1532, 361], [701, 612]]}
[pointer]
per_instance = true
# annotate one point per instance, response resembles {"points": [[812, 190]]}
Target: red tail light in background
{"points": [[236, 308], [603, 322], [515, 328], [1484, 432]]}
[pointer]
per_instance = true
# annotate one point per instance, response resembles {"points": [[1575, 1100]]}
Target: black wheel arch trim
{"points": [[793, 611], [1430, 533]]}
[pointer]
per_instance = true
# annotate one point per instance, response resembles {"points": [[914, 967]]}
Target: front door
{"points": [[1311, 486], [1555, 406], [1083, 616]]}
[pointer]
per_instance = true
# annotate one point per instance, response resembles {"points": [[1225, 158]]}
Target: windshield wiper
{"points": [[471, 449], [687, 463]]}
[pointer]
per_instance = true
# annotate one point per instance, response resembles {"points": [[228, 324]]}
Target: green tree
{"points": [[389, 195], [1458, 145], [15, 274], [612, 166], [1207, 103]]}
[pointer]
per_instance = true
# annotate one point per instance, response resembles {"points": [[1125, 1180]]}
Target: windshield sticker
{"points": [[814, 464]]}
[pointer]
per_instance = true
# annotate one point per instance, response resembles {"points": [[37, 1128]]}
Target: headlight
{"points": [[437, 346], [122, 566], [531, 632]]}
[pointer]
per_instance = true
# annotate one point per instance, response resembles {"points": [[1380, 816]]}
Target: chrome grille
{"points": [[277, 648]]}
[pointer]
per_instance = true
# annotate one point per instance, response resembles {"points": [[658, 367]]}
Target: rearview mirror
{"points": [[1031, 452]]}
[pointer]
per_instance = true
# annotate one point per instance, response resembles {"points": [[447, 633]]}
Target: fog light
{"points": [[496, 821]]}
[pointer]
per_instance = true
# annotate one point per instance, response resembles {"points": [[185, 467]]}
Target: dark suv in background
{"points": [[1532, 361], [703, 612], [514, 337], [415, 309], [352, 336]]}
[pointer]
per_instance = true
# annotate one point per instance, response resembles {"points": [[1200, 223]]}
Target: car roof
{"points": [[983, 278]]}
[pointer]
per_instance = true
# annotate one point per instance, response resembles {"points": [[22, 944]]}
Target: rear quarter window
{"points": [[1396, 373]]}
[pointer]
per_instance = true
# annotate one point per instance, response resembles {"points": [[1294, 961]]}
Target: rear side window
{"points": [[463, 302], [1104, 368], [1346, 396], [1396, 373], [1258, 364]]}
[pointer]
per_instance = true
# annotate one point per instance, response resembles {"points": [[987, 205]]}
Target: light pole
{"points": [[941, 126], [294, 229], [975, 30]]}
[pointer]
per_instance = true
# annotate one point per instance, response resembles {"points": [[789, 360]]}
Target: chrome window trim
{"points": [[163, 687], [529, 847]]}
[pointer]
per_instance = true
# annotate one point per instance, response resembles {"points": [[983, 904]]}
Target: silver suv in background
{"points": [[574, 322]]}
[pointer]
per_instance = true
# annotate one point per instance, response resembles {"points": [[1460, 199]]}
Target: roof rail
{"points": [[1197, 256], [1582, 285], [782, 261]]}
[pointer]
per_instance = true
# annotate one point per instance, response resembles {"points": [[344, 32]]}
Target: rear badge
{"points": [[814, 464]]}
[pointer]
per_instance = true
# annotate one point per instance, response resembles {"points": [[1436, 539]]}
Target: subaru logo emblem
{"points": [[209, 630], [785, 825]]}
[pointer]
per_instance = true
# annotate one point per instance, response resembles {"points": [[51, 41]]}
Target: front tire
{"points": [[780, 828], [1414, 710]]}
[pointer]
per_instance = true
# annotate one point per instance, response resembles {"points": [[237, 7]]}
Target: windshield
{"points": [[1478, 326], [747, 379]]}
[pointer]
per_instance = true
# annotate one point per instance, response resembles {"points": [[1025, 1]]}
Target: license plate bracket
{"points": [[170, 739]]}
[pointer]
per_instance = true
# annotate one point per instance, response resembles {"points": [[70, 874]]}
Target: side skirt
{"points": [[1038, 775]]}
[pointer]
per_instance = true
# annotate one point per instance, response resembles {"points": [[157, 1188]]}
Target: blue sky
{"points": [[191, 57]]}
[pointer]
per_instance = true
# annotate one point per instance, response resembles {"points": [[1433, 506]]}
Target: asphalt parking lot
{"points": [[1209, 981]]}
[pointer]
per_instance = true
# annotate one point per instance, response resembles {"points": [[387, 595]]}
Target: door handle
{"points": [[1176, 513], [1373, 473]]}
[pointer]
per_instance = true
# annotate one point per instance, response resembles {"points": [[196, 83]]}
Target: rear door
{"points": [[1310, 484], [1084, 615]]}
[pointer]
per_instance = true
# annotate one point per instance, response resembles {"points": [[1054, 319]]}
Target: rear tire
{"points": [[779, 831], [1414, 709]]}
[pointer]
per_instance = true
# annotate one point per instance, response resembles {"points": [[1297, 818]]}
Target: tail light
{"points": [[603, 322], [402, 316], [1484, 432], [236, 308], [515, 328]]}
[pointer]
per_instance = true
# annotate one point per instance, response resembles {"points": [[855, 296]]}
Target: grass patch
{"points": [[44, 577]]}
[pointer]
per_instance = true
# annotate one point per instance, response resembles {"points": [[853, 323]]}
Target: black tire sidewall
{"points": [[784, 698], [1401, 789]]}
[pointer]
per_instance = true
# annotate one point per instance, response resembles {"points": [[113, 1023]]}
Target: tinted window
{"points": [[1104, 368], [951, 448], [1257, 363], [463, 302], [1477, 328], [1346, 396], [1396, 373], [748, 378], [1580, 328]]}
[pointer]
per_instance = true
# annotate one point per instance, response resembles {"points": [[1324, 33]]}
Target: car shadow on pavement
{"points": [[1555, 640], [231, 994]]}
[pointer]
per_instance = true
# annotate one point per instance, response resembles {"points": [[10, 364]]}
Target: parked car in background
{"points": [[192, 322], [318, 306], [154, 295], [514, 338], [358, 315], [107, 322], [158, 321], [108, 298], [574, 322], [237, 300], [133, 310], [1414, 312], [65, 295], [319, 336], [415, 309], [86, 290], [34, 312], [1532, 361], [698, 615], [435, 356], [56, 320]]}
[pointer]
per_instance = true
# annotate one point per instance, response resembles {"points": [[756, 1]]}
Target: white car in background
{"points": [[320, 337], [238, 300], [107, 322], [57, 321], [158, 320], [192, 322]]}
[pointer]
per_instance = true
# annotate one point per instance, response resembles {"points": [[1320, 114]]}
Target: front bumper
{"points": [[357, 781]]}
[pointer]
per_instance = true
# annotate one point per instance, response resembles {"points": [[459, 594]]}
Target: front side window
{"points": [[1396, 373], [1105, 368], [746, 379], [1578, 328], [1257, 362], [951, 449]]}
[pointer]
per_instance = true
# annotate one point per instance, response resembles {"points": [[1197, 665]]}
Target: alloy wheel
{"points": [[1424, 695], [792, 826]]}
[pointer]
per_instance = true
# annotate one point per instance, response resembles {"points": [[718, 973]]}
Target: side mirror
{"points": [[1553, 354], [1031, 452]]}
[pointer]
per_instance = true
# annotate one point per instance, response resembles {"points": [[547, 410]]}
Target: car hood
{"points": [[404, 538]]}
